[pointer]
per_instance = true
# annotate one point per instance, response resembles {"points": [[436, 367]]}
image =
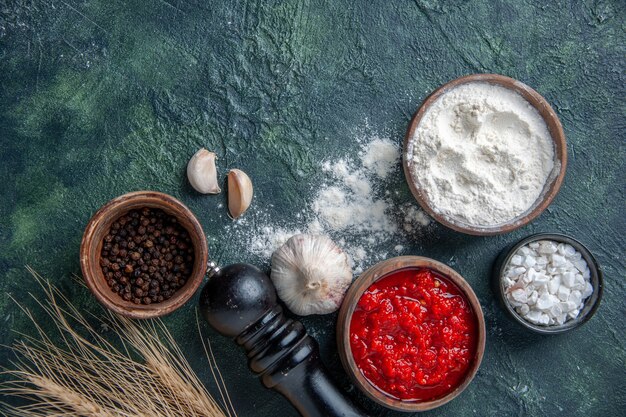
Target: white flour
{"points": [[482, 154], [352, 205], [380, 156]]}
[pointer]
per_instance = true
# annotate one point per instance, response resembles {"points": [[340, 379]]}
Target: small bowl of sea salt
{"points": [[549, 283]]}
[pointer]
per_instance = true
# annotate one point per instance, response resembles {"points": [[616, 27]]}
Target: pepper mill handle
{"points": [[240, 302]]}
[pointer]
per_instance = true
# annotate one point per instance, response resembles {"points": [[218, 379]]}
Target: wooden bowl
{"points": [[555, 179], [356, 290], [92, 242]]}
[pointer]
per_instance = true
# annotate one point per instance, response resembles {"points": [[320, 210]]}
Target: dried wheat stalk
{"points": [[85, 375]]}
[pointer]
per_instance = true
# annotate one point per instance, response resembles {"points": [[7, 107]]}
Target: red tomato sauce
{"points": [[413, 335]]}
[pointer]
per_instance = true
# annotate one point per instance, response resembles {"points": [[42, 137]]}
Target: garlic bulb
{"points": [[240, 192], [202, 173], [311, 274]]}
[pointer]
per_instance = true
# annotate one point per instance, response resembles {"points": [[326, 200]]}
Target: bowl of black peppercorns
{"points": [[143, 254]]}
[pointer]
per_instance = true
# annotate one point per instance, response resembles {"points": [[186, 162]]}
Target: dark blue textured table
{"points": [[98, 98]]}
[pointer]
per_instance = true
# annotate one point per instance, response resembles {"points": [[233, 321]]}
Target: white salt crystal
{"points": [[554, 284], [558, 260], [579, 283], [568, 306], [546, 301], [542, 260], [567, 250], [541, 279], [517, 271], [532, 299], [516, 260], [588, 290], [544, 319], [533, 316], [568, 279], [573, 314], [524, 250], [556, 310], [519, 295], [529, 261], [563, 293], [570, 250], [580, 265], [524, 309], [575, 297], [587, 274], [533, 245], [547, 247]]}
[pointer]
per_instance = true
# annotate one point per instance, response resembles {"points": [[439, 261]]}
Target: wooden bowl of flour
{"points": [[412, 150]]}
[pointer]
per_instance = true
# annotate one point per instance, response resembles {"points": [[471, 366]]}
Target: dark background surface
{"points": [[98, 98]]}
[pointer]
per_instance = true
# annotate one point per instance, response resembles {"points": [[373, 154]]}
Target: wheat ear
{"points": [[81, 373]]}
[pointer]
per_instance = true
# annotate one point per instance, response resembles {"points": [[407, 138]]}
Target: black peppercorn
{"points": [[143, 250]]}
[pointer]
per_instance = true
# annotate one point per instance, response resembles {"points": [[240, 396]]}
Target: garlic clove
{"points": [[202, 173], [311, 274], [240, 192]]}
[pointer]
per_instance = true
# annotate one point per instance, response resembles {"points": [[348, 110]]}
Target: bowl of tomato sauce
{"points": [[411, 333]]}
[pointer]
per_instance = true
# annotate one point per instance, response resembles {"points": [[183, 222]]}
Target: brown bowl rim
{"points": [[556, 133], [348, 306], [89, 253]]}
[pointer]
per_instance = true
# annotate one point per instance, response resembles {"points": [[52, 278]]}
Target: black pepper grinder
{"points": [[239, 301]]}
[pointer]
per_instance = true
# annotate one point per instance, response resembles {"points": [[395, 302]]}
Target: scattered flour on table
{"points": [[350, 204], [269, 238], [482, 154], [356, 205], [380, 156]]}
